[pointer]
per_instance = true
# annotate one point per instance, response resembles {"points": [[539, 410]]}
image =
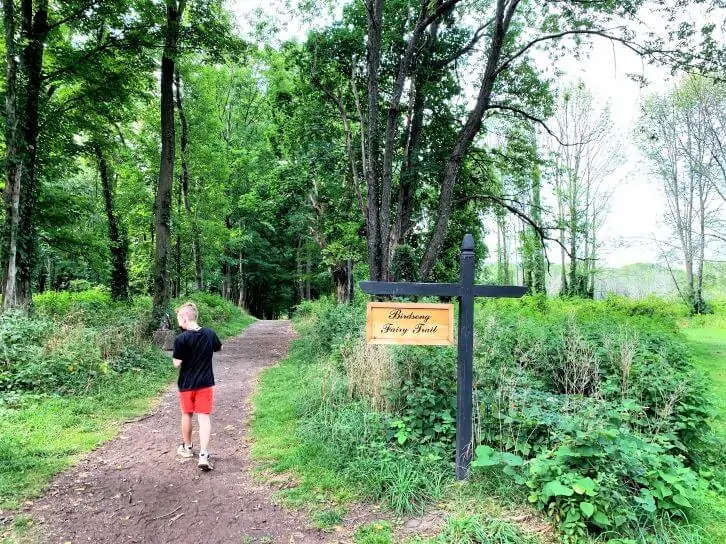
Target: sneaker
{"points": [[184, 451], [204, 463]]}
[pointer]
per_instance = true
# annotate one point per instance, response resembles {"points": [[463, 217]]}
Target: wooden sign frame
{"points": [[448, 340], [466, 291]]}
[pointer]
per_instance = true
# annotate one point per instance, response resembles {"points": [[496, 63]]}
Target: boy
{"points": [[193, 350]]}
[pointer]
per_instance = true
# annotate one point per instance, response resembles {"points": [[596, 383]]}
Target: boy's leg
{"points": [[205, 400], [205, 431], [186, 403], [186, 427]]}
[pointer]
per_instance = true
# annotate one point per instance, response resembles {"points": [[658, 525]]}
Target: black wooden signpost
{"points": [[466, 292]]}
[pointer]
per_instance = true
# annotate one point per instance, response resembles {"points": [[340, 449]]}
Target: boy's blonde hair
{"points": [[189, 311]]}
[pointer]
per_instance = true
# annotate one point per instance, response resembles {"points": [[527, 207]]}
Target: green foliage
{"points": [[593, 407], [79, 339], [596, 407], [376, 532], [475, 529]]}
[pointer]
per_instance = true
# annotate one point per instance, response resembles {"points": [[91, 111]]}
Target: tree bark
{"points": [[574, 231], [184, 144], [412, 137], [466, 135], [539, 281], [161, 300], [374, 10], [13, 163], [118, 244], [23, 190]]}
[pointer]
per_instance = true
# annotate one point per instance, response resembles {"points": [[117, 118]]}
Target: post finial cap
{"points": [[468, 243]]}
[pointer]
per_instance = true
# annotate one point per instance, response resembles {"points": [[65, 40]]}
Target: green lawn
{"points": [[708, 344], [709, 348]]}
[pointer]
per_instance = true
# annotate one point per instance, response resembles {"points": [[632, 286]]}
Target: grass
{"points": [[295, 420], [277, 444], [47, 434], [708, 345], [706, 337], [234, 326]]}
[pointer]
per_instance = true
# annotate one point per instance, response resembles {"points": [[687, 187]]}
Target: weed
{"points": [[327, 519], [377, 532]]}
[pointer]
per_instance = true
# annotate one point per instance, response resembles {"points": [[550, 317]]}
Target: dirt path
{"points": [[135, 489]]}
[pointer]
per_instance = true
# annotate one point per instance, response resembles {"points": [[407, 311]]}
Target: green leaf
{"points": [[557, 489], [601, 519], [680, 500], [512, 460], [486, 457], [565, 451], [587, 508], [572, 515], [584, 485]]}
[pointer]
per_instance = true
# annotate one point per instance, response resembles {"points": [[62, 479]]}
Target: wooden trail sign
{"points": [[465, 291], [410, 323]]}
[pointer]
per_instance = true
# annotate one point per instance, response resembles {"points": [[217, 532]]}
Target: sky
{"points": [[637, 205]]}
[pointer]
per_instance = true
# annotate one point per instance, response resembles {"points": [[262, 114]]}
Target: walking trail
{"points": [[135, 489]]}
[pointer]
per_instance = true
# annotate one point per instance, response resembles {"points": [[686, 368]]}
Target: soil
{"points": [[134, 489]]}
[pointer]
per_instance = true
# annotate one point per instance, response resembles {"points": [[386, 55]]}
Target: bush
{"points": [[593, 406], [93, 308], [77, 340]]}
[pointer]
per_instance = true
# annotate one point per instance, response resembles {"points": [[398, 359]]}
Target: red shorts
{"points": [[197, 401]]}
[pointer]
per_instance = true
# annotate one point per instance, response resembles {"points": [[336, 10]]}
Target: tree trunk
{"points": [[573, 227], [699, 305], [21, 161], [184, 144], [466, 135], [374, 10], [341, 280], [412, 137], [300, 278], [161, 299], [539, 281], [10, 299], [308, 273], [117, 241], [13, 162], [240, 282]]}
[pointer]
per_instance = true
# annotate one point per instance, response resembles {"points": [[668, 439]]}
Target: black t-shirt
{"points": [[195, 349]]}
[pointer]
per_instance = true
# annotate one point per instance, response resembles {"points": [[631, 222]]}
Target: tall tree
{"points": [[162, 207], [117, 239], [584, 153], [184, 145], [22, 110], [51, 48], [674, 137], [432, 34]]}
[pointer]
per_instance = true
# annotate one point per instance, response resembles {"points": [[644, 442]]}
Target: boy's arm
{"points": [[217, 344], [176, 355]]}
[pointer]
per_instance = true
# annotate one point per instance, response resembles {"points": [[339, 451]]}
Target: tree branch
{"points": [[530, 117], [74, 15], [437, 65]]}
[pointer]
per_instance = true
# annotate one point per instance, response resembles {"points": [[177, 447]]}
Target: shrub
{"points": [[76, 340], [593, 406]]}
